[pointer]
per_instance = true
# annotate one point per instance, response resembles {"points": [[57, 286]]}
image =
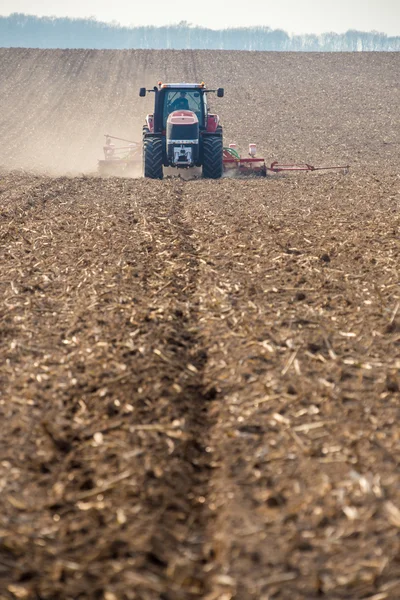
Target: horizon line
{"points": [[188, 25]]}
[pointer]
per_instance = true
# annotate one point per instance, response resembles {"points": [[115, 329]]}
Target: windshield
{"points": [[186, 99]]}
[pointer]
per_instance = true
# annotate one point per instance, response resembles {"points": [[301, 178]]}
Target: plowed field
{"points": [[199, 381]]}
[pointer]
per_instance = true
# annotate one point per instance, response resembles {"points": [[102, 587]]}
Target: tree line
{"points": [[28, 31]]}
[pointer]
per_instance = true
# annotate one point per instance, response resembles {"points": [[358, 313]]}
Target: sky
{"points": [[294, 16]]}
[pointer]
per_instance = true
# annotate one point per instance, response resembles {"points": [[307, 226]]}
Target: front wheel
{"points": [[212, 157], [153, 158]]}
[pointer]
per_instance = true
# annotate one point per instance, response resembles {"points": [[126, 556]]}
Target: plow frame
{"points": [[254, 166], [278, 168]]}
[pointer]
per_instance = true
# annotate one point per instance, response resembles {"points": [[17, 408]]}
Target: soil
{"points": [[200, 380]]}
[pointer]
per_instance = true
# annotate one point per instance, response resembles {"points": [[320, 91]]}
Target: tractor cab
{"points": [[181, 132], [174, 96], [184, 99], [170, 97]]}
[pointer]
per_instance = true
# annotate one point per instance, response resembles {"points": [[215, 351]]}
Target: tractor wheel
{"points": [[153, 158], [212, 157]]}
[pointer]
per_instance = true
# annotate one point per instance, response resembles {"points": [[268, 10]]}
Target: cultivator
{"points": [[253, 166], [122, 160], [234, 164]]}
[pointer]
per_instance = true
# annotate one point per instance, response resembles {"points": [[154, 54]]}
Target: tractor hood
{"points": [[182, 117], [182, 126]]}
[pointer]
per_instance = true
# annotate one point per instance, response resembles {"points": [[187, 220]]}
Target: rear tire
{"points": [[212, 157], [153, 158]]}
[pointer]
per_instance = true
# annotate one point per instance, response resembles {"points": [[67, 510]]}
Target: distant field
{"points": [[57, 104]]}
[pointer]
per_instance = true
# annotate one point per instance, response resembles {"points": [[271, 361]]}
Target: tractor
{"points": [[182, 133]]}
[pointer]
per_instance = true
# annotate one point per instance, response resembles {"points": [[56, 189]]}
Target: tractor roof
{"points": [[189, 86]]}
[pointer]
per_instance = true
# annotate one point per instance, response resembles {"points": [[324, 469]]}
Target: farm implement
{"points": [[182, 133], [122, 160], [251, 165]]}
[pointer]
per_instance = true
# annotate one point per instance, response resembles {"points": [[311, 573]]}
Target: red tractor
{"points": [[181, 132]]}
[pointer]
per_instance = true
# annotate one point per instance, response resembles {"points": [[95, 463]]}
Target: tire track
{"points": [[178, 549]]}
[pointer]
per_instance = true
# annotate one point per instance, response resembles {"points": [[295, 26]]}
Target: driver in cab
{"points": [[180, 103]]}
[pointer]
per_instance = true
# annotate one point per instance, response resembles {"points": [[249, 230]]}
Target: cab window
{"points": [[184, 99]]}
